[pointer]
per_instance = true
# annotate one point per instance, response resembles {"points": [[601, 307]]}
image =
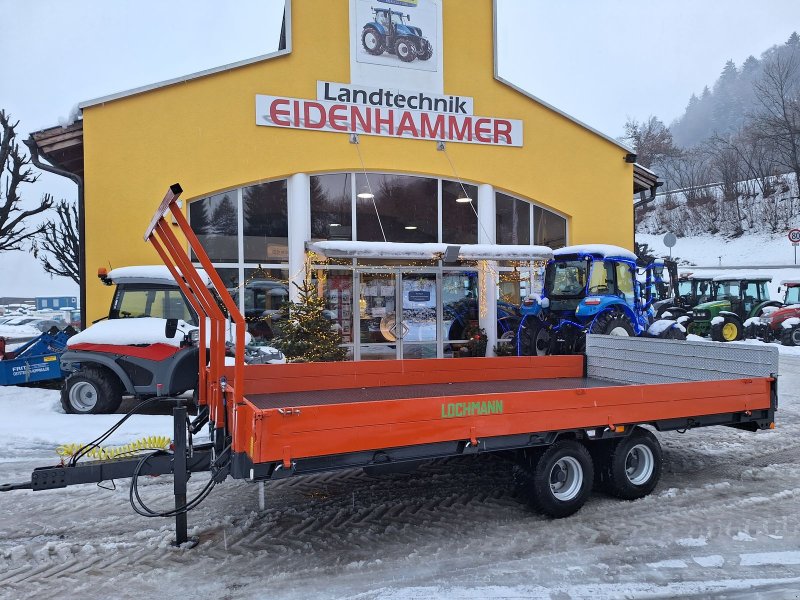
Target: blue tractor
{"points": [[592, 289], [389, 31]]}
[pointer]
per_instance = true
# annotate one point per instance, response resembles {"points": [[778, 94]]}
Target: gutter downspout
{"points": [[78, 180]]}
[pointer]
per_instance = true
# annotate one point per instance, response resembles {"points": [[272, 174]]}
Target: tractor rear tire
{"points": [[534, 338], [372, 41], [791, 336], [425, 51], [632, 466], [612, 323], [405, 50], [91, 391], [730, 330], [560, 481]]}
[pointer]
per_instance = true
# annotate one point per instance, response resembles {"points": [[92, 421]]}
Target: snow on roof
{"points": [[129, 332], [395, 250], [148, 274], [742, 275], [601, 250]]}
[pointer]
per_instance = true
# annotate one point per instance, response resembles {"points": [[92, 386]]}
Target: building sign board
{"points": [[398, 41], [324, 115]]}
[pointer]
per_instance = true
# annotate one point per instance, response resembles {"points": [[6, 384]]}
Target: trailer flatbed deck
{"points": [[430, 390]]}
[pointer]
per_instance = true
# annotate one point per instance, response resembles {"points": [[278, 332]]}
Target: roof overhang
{"points": [[62, 147], [644, 180], [401, 251]]}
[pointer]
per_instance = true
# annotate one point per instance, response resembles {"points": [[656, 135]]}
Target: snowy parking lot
{"points": [[724, 521]]}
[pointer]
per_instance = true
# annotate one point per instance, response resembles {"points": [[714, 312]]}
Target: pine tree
{"points": [[306, 334], [224, 217], [794, 40]]}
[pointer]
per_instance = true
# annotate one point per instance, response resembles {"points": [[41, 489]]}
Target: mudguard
{"points": [[72, 356], [759, 307], [377, 27]]}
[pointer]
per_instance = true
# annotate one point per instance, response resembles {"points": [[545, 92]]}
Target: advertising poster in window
{"points": [[397, 42]]}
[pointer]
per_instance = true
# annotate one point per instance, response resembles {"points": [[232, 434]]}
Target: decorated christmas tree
{"points": [[306, 334]]}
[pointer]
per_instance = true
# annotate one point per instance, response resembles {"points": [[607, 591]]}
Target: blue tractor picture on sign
{"points": [[390, 31]]}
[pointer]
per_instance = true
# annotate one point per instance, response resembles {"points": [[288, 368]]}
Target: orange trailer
{"points": [[569, 422]]}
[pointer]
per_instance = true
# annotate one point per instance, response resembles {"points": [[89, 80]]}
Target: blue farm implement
{"points": [[37, 360]]}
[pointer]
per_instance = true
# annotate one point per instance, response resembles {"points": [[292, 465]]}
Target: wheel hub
{"points": [[83, 396], [639, 464], [730, 332], [566, 479]]}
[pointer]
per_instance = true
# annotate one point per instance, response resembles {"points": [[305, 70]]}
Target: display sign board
{"points": [[397, 41], [325, 115]]}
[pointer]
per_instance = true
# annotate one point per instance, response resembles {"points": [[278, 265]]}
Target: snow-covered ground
{"points": [[723, 522], [749, 250]]}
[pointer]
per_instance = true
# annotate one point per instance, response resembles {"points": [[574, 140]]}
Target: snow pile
{"points": [[717, 320], [149, 273], [752, 321], [789, 323], [130, 332], [660, 326], [18, 331], [39, 425], [602, 250]]}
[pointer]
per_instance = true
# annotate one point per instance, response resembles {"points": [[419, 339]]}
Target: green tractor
{"points": [[734, 300]]}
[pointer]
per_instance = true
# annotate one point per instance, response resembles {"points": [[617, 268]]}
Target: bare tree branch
{"points": [[57, 246], [14, 172]]}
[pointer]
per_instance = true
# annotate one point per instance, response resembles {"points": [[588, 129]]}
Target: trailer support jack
{"points": [[180, 475]]}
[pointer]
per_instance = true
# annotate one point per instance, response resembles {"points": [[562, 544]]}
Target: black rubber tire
{"points": [[750, 332], [673, 333], [405, 50], [610, 321], [101, 382], [426, 51], [538, 477], [791, 337], [717, 329], [534, 337], [380, 48], [612, 466]]}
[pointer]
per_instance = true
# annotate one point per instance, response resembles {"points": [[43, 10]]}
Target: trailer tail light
{"points": [[772, 425]]}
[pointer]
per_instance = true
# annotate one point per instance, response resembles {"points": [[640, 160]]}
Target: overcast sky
{"points": [[601, 61]]}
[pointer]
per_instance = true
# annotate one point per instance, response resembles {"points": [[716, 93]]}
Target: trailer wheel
{"points": [[561, 479], [729, 330], [91, 391], [790, 337], [632, 466]]}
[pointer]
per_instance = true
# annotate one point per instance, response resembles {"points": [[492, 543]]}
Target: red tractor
{"points": [[781, 324]]}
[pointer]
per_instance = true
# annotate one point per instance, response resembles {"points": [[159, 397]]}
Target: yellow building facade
{"points": [[211, 132]]}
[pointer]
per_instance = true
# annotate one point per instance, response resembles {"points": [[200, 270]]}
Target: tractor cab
{"points": [[791, 292], [734, 300]]}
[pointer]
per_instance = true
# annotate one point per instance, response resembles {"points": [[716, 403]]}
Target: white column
{"points": [[299, 214], [487, 281]]}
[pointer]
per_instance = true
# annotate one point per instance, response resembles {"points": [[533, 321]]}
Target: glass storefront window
{"points": [[266, 224], [264, 292], [513, 220], [377, 307], [215, 221], [459, 219], [549, 228], [407, 206], [331, 207], [338, 291]]}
